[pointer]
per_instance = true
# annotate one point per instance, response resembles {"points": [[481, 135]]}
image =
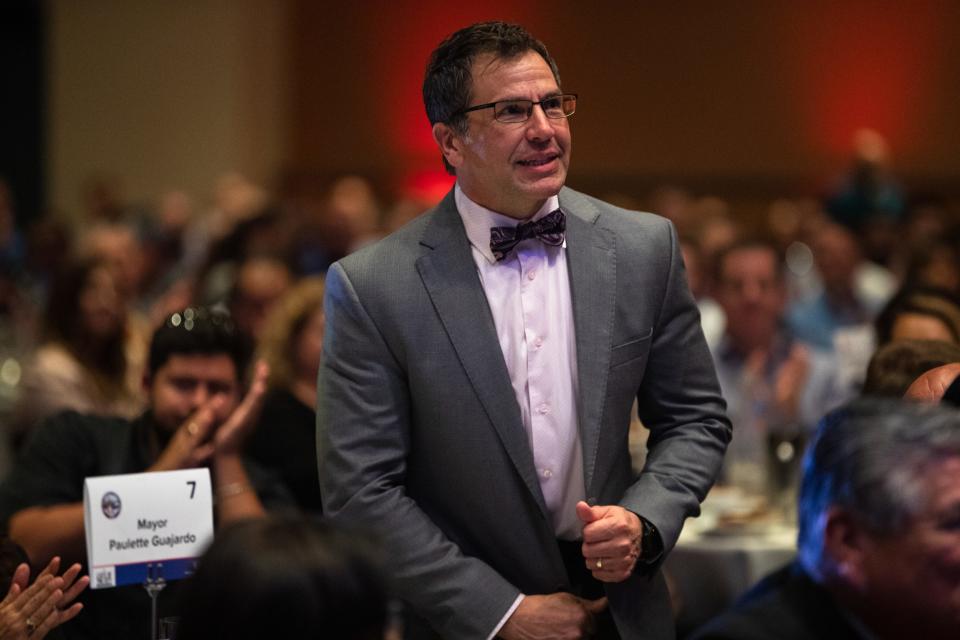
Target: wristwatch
{"points": [[651, 546]]}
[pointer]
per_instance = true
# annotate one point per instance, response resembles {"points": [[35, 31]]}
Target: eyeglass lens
{"points": [[521, 110]]}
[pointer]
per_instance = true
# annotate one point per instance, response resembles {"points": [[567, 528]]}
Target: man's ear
{"points": [[450, 143], [845, 545]]}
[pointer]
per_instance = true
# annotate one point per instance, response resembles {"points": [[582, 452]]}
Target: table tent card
{"points": [[143, 527]]}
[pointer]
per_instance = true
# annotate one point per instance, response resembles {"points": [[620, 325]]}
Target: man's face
{"points": [[509, 168], [837, 256], [751, 294], [187, 382], [916, 575]]}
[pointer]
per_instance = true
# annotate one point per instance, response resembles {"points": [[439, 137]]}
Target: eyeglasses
{"points": [[512, 111]]}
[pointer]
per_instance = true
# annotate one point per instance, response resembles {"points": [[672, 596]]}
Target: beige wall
{"points": [[754, 98], [164, 93]]}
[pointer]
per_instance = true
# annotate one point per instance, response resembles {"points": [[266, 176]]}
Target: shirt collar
{"points": [[477, 220]]}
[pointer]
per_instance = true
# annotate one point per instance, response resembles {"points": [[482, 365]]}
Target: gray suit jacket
{"points": [[420, 436]]}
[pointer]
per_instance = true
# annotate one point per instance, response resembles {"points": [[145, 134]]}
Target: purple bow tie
{"points": [[549, 229]]}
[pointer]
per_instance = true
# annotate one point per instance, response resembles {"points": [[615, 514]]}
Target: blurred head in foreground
{"points": [[285, 576], [880, 516]]}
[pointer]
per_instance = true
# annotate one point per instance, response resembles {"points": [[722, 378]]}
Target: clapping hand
{"points": [[32, 611], [202, 436]]}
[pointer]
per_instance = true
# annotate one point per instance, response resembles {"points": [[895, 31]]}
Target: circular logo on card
{"points": [[110, 503]]}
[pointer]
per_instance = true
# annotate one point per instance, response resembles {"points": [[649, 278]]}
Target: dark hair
{"points": [[895, 366], [867, 458], [62, 322], [926, 301], [749, 243], [285, 576], [447, 83], [198, 331]]}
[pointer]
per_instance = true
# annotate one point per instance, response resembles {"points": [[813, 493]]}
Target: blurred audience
{"points": [[302, 577], [117, 246], [869, 193], [700, 278], [791, 325], [103, 200], [284, 439], [714, 229], [936, 265], [197, 416], [86, 359], [896, 365], [775, 388], [259, 284], [676, 205], [919, 314], [878, 542], [852, 291], [343, 220]]}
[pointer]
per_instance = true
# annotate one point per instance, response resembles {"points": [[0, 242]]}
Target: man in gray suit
{"points": [[480, 366]]}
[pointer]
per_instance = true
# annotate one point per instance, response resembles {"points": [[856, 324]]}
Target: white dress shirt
{"points": [[529, 296]]}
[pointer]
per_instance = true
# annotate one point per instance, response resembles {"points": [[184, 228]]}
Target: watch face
{"points": [[650, 546]]}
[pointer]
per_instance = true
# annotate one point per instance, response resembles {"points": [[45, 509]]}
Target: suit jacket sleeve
{"points": [[679, 401], [363, 420]]}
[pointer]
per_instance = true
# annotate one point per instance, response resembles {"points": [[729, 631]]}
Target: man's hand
{"points": [[558, 616], [789, 382], [611, 541], [200, 438], [232, 434], [190, 446]]}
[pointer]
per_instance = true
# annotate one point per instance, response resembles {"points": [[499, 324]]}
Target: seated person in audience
{"points": [[33, 610], [847, 299], [259, 285], [285, 438], [935, 263], [775, 387], [85, 362], [197, 416], [919, 314], [879, 544], [712, 320], [304, 578], [895, 366]]}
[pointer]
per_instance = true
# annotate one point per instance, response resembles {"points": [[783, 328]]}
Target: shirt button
{"points": [[547, 473], [543, 409], [531, 275], [538, 343]]}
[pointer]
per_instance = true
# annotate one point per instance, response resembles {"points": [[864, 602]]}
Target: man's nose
{"points": [[539, 126], [201, 395], [752, 292]]}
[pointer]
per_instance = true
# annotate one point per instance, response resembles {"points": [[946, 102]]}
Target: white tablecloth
{"points": [[710, 568]]}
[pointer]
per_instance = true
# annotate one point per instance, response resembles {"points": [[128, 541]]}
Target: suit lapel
{"points": [[449, 275], [591, 260]]}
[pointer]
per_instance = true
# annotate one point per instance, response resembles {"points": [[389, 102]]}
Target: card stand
{"points": [[154, 584]]}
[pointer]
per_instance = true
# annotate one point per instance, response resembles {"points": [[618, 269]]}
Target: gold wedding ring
{"points": [[192, 428], [599, 563], [31, 626]]}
